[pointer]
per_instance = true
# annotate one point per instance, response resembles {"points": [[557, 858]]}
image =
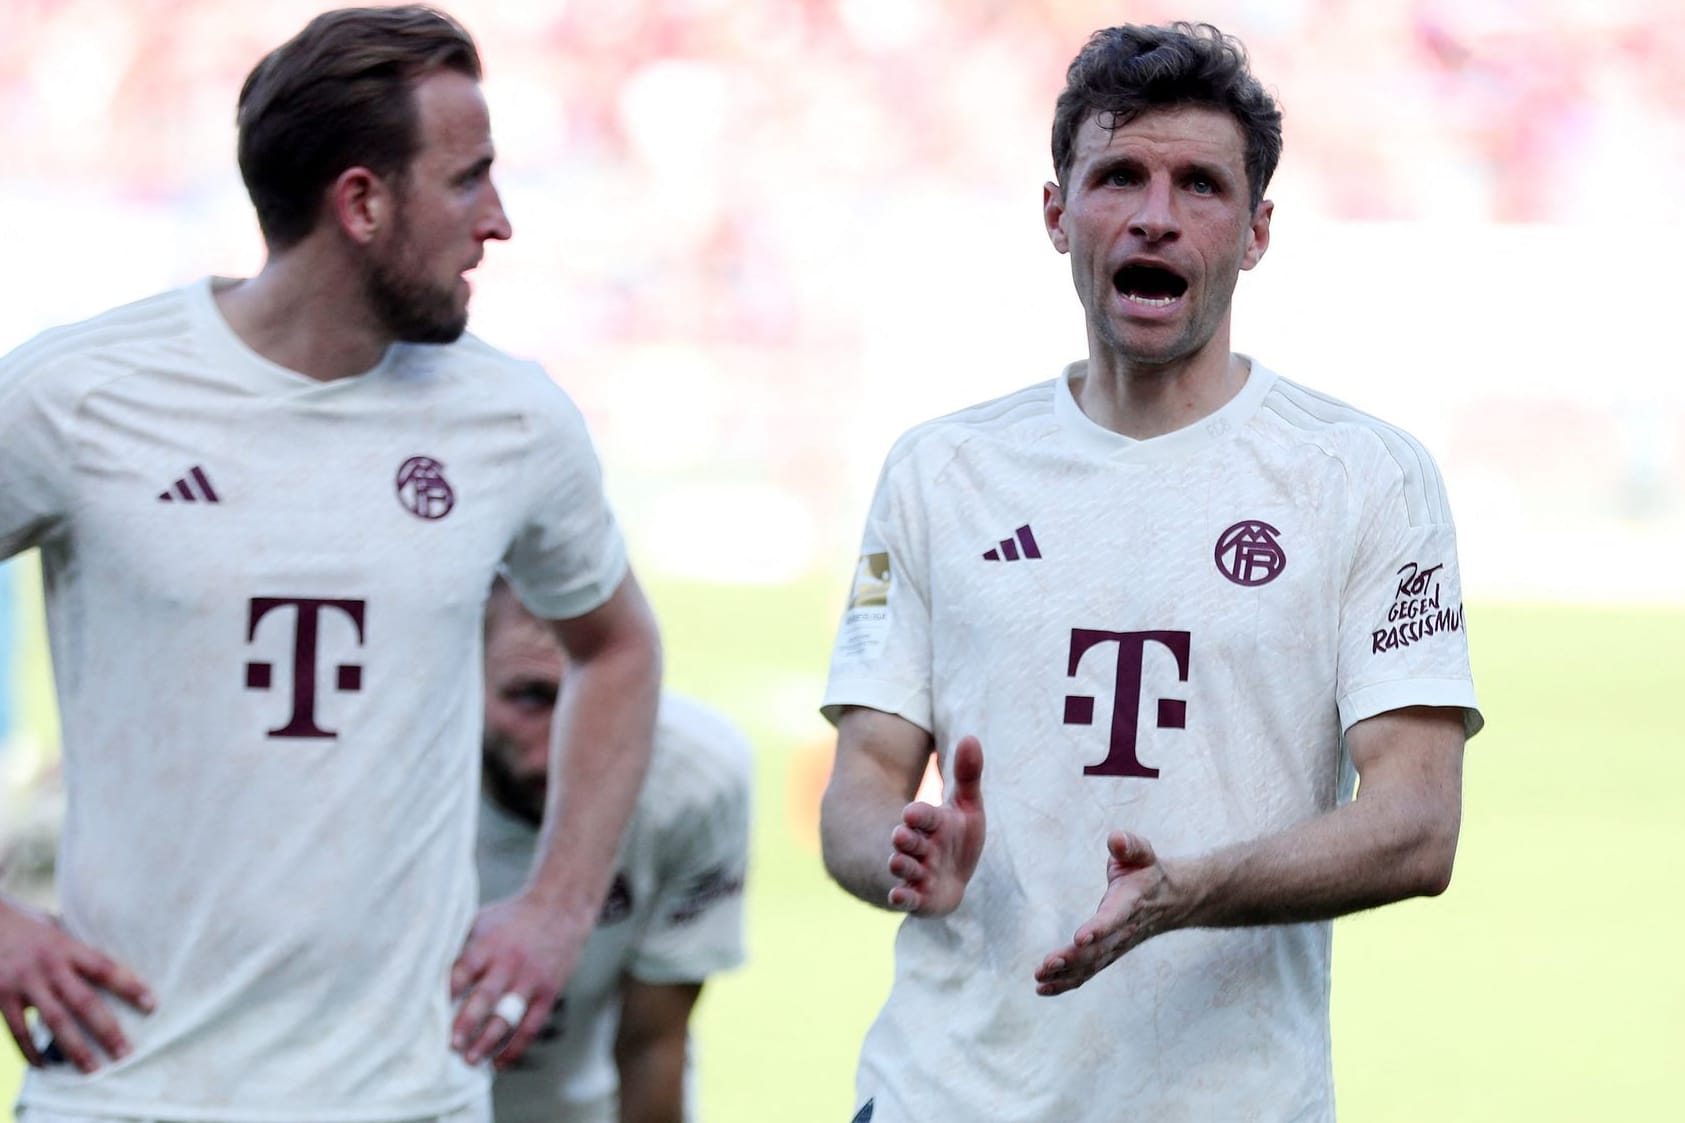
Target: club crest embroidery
{"points": [[423, 489], [1249, 553]]}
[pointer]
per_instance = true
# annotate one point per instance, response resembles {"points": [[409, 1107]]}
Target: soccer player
{"points": [[673, 917], [1182, 606], [269, 510]]}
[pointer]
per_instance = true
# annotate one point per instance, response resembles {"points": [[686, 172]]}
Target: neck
{"points": [[1144, 401], [307, 314]]}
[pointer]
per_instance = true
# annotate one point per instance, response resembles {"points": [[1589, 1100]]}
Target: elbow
{"points": [[830, 840], [1431, 861], [1435, 877]]}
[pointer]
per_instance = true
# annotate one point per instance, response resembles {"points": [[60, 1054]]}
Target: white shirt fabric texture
{"points": [[1168, 636], [264, 599], [674, 913]]}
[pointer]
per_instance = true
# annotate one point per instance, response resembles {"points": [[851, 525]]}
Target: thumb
{"points": [[968, 772], [1130, 851]]}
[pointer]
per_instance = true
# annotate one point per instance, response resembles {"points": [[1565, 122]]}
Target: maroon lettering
{"points": [[1413, 581], [1122, 758], [1411, 631], [348, 677]]}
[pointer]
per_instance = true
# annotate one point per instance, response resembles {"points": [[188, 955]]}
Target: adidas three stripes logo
{"points": [[195, 487], [1009, 548]]}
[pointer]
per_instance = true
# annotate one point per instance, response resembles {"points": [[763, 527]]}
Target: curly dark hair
{"points": [[1121, 72], [337, 95]]}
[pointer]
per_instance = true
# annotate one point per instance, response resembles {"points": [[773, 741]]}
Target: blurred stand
{"points": [[757, 238]]}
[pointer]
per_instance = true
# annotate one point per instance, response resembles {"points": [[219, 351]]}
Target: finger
{"points": [[90, 1011], [905, 868], [904, 898], [1130, 850], [476, 1009], [538, 1010], [19, 1025], [968, 772], [1054, 965], [106, 973], [493, 1033], [920, 817], [910, 842], [469, 966], [67, 1035]]}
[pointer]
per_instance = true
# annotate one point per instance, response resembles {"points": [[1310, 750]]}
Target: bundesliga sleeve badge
{"points": [[866, 622]]}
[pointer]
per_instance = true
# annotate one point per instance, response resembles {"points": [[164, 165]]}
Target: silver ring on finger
{"points": [[511, 1008]]}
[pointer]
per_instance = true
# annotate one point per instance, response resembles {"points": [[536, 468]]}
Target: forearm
{"points": [[652, 1081], [855, 824], [600, 750], [1368, 853], [649, 1049]]}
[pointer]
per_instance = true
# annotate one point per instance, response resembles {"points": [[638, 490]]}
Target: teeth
{"points": [[1151, 301]]}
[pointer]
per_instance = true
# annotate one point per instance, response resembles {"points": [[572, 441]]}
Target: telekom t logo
{"points": [[348, 677], [1126, 695]]}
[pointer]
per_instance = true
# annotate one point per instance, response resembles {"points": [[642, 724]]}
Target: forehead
{"points": [[517, 644], [1172, 134], [451, 111]]}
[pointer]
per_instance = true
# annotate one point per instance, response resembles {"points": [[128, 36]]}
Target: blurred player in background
{"points": [[1183, 605], [268, 511], [673, 917]]}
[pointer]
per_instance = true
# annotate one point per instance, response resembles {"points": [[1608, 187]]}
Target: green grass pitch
{"points": [[1542, 987]]}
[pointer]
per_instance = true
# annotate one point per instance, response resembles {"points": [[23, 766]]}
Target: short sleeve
{"points": [[696, 922], [567, 556], [881, 658], [1403, 632], [37, 468]]}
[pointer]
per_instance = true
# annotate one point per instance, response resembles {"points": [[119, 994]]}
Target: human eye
{"points": [[531, 696], [1201, 184]]}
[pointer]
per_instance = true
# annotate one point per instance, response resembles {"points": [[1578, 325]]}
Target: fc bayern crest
{"points": [[1248, 553], [423, 489]]}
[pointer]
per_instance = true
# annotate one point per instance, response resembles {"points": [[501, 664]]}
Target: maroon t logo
{"points": [[1126, 695], [348, 677]]}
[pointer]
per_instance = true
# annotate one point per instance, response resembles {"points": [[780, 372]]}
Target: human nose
{"points": [[495, 224], [1155, 217]]}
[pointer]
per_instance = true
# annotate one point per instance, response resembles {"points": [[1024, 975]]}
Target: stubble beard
{"points": [[1196, 334], [512, 792], [410, 309]]}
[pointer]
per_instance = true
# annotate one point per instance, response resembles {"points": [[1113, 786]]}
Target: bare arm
{"points": [[880, 846], [649, 1049], [603, 734], [599, 750], [1397, 839]]}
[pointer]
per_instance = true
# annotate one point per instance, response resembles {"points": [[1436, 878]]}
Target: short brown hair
{"points": [[337, 95], [1121, 72]]}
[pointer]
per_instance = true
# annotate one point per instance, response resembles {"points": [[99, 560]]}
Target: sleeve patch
{"points": [[866, 623]]}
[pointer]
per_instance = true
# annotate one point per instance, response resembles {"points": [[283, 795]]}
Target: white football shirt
{"points": [[673, 915], [264, 599], [1166, 636]]}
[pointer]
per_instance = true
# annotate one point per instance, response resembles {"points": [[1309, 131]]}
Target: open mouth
{"points": [[1151, 285]]}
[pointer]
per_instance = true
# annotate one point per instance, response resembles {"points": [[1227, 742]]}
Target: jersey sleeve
{"points": [[568, 555], [1403, 637], [37, 461], [882, 656], [696, 924]]}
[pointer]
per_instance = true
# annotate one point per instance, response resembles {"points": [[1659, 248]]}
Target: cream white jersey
{"points": [[264, 599], [1168, 636], [674, 912]]}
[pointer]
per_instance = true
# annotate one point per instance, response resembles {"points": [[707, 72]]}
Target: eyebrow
{"points": [[1123, 162], [477, 168]]}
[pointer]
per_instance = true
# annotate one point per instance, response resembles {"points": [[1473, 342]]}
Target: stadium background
{"points": [[757, 238]]}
